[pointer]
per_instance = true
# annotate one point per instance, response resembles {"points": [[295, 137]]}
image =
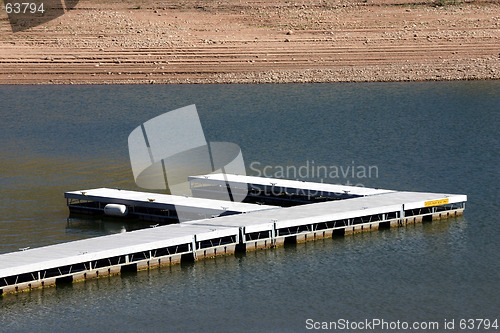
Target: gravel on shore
{"points": [[149, 42]]}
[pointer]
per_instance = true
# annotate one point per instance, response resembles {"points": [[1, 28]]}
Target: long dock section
{"points": [[319, 220], [153, 206], [277, 191], [194, 240]]}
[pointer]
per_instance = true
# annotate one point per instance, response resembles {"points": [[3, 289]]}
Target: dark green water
{"points": [[431, 136]]}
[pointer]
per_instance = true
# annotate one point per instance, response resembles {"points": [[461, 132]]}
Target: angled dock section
{"points": [[250, 227]]}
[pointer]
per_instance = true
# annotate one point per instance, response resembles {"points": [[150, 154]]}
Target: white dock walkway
{"points": [[253, 226], [285, 185], [156, 204]]}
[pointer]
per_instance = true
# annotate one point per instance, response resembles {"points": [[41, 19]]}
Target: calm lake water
{"points": [[429, 136]]}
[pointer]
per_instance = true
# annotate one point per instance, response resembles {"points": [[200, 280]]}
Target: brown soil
{"points": [[236, 41]]}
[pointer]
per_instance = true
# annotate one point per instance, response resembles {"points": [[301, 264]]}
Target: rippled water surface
{"points": [[430, 136]]}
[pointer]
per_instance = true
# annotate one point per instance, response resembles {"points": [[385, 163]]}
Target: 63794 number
{"points": [[24, 7]]}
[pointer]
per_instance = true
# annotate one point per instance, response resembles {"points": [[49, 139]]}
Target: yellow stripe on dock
{"points": [[437, 202]]}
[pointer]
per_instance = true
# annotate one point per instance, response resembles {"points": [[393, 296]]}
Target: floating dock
{"points": [[106, 255], [278, 186], [274, 191], [153, 206], [249, 227], [319, 220]]}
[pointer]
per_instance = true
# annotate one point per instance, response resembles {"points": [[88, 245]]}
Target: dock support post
{"points": [[242, 235], [193, 245], [273, 235]]}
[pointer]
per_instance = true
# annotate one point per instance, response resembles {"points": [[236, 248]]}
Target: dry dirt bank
{"points": [[228, 41]]}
